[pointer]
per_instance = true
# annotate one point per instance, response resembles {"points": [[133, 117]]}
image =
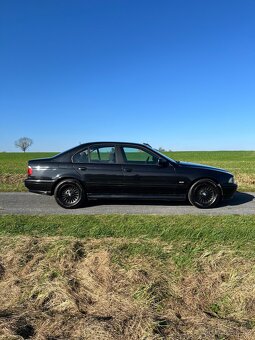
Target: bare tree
{"points": [[23, 143]]}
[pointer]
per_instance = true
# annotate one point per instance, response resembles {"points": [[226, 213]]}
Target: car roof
{"points": [[112, 142], [116, 143]]}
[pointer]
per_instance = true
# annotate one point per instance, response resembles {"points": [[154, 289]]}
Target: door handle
{"points": [[83, 168], [127, 169]]}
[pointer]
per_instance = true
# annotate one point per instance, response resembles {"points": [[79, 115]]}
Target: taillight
{"points": [[29, 171]]}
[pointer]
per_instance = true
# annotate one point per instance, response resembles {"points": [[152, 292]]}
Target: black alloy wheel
{"points": [[204, 194], [69, 194]]}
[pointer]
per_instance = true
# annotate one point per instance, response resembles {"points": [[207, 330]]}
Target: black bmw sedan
{"points": [[115, 170]]}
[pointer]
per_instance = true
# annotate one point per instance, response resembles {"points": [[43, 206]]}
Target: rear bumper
{"points": [[39, 186], [228, 190]]}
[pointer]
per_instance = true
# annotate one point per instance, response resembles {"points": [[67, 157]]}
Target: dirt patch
{"points": [[64, 288], [2, 270], [23, 328]]}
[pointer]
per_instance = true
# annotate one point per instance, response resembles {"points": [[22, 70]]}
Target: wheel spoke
{"points": [[69, 194], [205, 194]]}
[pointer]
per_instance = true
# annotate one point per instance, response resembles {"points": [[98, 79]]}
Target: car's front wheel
{"points": [[69, 194], [204, 194]]}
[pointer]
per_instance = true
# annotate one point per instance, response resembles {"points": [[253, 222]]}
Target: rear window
{"points": [[96, 154]]}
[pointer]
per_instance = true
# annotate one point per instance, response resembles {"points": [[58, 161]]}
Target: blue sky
{"points": [[174, 73]]}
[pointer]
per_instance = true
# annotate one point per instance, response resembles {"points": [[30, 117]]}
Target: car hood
{"points": [[201, 166]]}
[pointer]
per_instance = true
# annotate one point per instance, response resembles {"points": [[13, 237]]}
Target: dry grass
{"points": [[246, 181], [12, 182], [67, 288]]}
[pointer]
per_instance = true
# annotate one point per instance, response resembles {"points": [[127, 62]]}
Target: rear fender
{"points": [[65, 177]]}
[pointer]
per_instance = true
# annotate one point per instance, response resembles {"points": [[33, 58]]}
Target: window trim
{"points": [[97, 146]]}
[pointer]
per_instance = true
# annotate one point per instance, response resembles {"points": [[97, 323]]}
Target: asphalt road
{"points": [[32, 204]]}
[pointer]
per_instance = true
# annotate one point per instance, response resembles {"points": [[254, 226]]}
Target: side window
{"points": [[104, 154], [81, 157], [96, 155], [138, 156]]}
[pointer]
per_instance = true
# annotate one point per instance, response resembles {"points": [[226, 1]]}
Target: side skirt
{"points": [[138, 197]]}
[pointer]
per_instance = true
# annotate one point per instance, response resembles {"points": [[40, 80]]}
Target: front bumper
{"points": [[39, 186], [228, 190]]}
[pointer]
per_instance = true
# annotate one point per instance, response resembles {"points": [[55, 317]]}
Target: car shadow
{"points": [[238, 199]]}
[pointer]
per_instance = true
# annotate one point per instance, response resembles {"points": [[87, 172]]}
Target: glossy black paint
{"points": [[167, 179]]}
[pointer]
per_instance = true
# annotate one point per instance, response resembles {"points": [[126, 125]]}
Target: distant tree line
{"points": [[164, 150]]}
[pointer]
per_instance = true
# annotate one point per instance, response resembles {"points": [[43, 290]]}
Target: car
{"points": [[120, 170]]}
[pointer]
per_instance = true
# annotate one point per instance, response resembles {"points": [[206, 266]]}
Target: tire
{"points": [[204, 194], [69, 194]]}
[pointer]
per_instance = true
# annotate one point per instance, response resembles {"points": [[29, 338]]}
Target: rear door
{"points": [[99, 170], [144, 177]]}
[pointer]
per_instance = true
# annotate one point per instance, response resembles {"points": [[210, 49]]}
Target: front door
{"points": [[144, 177]]}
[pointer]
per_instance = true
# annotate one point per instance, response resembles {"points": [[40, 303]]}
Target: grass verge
{"points": [[131, 277], [234, 230]]}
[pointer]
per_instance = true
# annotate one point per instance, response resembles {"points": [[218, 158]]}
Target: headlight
{"points": [[232, 180]]}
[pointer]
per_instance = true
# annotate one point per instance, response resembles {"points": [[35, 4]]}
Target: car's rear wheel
{"points": [[204, 194], [69, 194]]}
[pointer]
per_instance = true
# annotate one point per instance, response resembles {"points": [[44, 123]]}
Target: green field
{"points": [[127, 277], [13, 166]]}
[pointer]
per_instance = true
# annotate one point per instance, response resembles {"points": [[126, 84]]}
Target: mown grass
{"points": [[13, 166], [192, 233]]}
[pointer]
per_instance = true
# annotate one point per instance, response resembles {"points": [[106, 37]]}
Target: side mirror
{"points": [[162, 162]]}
